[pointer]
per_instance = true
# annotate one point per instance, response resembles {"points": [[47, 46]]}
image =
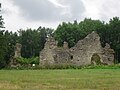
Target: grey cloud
{"points": [[109, 10], [6, 11], [44, 10], [77, 8]]}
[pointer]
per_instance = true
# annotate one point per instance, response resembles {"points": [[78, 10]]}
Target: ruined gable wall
{"points": [[86, 48], [46, 55]]}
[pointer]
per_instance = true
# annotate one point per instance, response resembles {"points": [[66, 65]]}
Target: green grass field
{"points": [[82, 79]]}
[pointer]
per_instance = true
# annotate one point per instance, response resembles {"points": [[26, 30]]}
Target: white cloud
{"points": [[13, 20], [92, 10], [34, 13], [109, 9], [102, 9], [55, 2]]}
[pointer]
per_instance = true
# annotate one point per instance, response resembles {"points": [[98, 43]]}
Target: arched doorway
{"points": [[95, 59]]}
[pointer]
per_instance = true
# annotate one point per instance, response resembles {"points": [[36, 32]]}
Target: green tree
{"points": [[113, 36], [68, 32], [28, 41], [88, 25], [33, 41], [2, 43], [11, 40], [72, 32]]}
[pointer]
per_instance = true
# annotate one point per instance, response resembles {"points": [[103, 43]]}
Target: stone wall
{"points": [[108, 55], [46, 55], [86, 48], [17, 54], [53, 55], [17, 50], [83, 53]]}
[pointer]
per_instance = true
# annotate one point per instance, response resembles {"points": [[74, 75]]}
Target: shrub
{"points": [[26, 61]]}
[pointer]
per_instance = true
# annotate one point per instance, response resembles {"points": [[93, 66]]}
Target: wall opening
{"points": [[71, 57], [95, 59]]}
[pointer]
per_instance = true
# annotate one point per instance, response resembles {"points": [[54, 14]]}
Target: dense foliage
{"points": [[72, 32], [109, 33], [33, 41], [3, 48], [27, 61]]}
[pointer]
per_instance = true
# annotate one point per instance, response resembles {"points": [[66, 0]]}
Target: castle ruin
{"points": [[86, 52]]}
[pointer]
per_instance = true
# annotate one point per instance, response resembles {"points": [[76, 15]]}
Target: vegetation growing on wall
{"points": [[95, 60]]}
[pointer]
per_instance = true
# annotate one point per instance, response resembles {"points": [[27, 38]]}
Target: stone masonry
{"points": [[17, 54], [85, 52]]}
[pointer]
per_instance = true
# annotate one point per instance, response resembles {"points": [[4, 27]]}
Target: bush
{"points": [[26, 61]]}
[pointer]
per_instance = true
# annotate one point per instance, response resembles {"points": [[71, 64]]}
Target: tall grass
{"points": [[68, 79]]}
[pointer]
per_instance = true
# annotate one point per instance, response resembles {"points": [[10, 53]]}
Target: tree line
{"points": [[33, 40], [108, 32]]}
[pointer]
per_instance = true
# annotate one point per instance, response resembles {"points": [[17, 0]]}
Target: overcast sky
{"points": [[49, 13]]}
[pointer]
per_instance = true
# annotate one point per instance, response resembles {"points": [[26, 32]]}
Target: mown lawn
{"points": [[82, 79]]}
